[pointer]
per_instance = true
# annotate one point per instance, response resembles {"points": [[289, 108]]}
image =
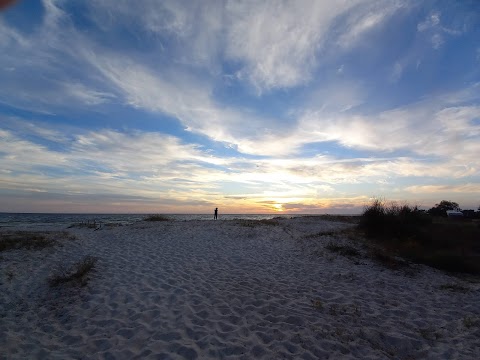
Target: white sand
{"points": [[220, 290]]}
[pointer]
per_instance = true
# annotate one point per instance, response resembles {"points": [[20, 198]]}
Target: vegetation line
{"points": [[430, 238]]}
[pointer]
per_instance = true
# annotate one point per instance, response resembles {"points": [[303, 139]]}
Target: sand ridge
{"points": [[230, 290]]}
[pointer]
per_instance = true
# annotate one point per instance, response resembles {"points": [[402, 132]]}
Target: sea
{"points": [[38, 220]]}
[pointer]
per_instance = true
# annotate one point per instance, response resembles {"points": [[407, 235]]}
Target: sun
{"points": [[278, 207]]}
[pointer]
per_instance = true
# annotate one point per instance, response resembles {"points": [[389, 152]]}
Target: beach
{"points": [[238, 289]]}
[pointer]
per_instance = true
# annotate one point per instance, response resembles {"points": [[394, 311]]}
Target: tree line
{"points": [[441, 208]]}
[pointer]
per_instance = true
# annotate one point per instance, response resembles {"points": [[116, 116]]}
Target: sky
{"points": [[116, 106]]}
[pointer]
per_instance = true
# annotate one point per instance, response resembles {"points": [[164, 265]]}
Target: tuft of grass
{"points": [[9, 274], [317, 304], [255, 223], [344, 309], [86, 225], [388, 260], [429, 333], [455, 288], [345, 250], [76, 274], [25, 240], [351, 233], [320, 234], [66, 235], [335, 309], [113, 224], [156, 217], [469, 322], [269, 222], [340, 218]]}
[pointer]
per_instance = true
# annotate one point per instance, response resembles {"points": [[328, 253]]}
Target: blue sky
{"points": [[250, 106]]}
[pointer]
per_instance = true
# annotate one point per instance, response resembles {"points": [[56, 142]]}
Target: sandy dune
{"points": [[230, 290]]}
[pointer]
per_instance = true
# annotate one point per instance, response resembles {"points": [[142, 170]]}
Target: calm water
{"points": [[11, 219]]}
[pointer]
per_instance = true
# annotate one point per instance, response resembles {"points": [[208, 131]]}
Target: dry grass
{"points": [[345, 250], [455, 288], [77, 274], [388, 260], [156, 217], [25, 240], [350, 233], [86, 225], [317, 304], [344, 309], [255, 223], [10, 274], [341, 218], [470, 322], [321, 234]]}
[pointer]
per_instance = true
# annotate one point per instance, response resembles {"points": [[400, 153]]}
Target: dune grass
{"points": [[86, 225], [455, 287], [25, 240], [406, 232], [380, 219], [156, 217], [255, 223], [77, 274], [345, 250], [340, 218], [321, 234]]}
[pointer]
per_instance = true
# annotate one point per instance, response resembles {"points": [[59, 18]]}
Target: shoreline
{"points": [[231, 290]]}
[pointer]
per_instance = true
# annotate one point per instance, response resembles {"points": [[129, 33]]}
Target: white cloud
{"points": [[18, 155], [184, 98], [86, 95], [106, 161], [396, 72], [188, 33], [431, 21], [46, 70], [437, 41], [432, 25], [438, 127], [364, 19], [278, 51], [152, 165], [337, 96], [459, 188]]}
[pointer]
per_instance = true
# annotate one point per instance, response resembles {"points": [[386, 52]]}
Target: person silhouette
{"points": [[215, 214]]}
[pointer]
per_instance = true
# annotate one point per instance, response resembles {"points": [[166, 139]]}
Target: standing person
{"points": [[215, 214]]}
